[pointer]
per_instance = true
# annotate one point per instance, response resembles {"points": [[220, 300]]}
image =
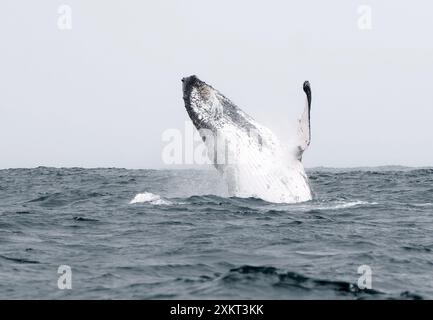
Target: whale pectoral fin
{"points": [[304, 125]]}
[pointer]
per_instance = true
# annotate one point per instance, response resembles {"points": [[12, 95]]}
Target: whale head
{"points": [[209, 109], [201, 103]]}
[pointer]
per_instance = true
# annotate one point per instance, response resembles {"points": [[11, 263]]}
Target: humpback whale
{"points": [[250, 158]]}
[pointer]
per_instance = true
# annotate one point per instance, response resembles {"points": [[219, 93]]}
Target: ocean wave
{"points": [[318, 253], [353, 204], [64, 198], [422, 205], [328, 205], [150, 198], [295, 281], [85, 219], [19, 260], [343, 205]]}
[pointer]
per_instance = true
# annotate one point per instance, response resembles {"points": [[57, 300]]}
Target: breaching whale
{"points": [[248, 155]]}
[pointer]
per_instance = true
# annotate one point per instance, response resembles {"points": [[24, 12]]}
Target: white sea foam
{"points": [[428, 204], [353, 204], [318, 253], [151, 198], [336, 205]]}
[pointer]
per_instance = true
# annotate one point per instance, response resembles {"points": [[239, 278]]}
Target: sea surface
{"points": [[174, 234]]}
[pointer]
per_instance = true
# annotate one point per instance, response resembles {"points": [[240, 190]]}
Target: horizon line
{"points": [[210, 167]]}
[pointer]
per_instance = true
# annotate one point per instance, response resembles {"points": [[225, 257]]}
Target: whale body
{"points": [[250, 158]]}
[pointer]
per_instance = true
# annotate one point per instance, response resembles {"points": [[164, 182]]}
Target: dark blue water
{"points": [[185, 239]]}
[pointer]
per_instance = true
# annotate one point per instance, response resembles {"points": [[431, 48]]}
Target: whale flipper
{"points": [[304, 125]]}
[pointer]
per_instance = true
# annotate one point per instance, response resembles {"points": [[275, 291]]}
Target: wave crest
{"points": [[151, 198]]}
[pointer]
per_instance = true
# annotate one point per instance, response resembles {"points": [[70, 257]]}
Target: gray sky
{"points": [[102, 93]]}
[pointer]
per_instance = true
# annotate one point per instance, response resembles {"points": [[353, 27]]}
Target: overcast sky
{"points": [[101, 94]]}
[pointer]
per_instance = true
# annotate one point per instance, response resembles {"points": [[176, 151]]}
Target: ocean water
{"points": [[173, 234]]}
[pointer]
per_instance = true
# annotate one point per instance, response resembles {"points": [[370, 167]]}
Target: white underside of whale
{"points": [[269, 171]]}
